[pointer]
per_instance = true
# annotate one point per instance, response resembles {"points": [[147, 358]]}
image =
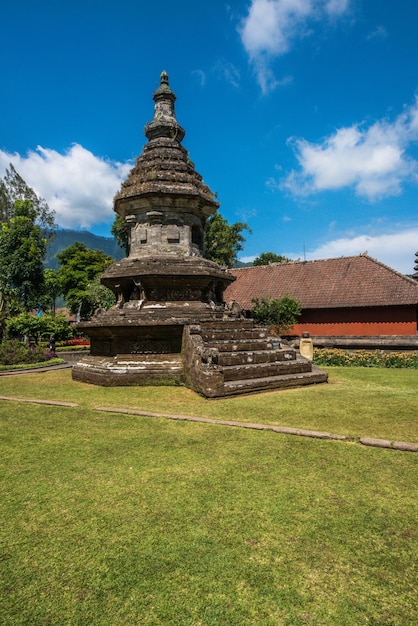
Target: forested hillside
{"points": [[64, 238]]}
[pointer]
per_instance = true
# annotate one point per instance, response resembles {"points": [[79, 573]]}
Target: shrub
{"points": [[364, 358], [13, 352], [281, 314], [26, 324]]}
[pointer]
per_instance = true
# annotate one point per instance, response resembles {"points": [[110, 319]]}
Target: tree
{"points": [[266, 258], [281, 314], [223, 241], [22, 251], [98, 296], [52, 289], [120, 231], [14, 188], [34, 326], [79, 267], [25, 222]]}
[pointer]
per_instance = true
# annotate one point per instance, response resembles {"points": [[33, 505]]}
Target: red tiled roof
{"points": [[346, 282]]}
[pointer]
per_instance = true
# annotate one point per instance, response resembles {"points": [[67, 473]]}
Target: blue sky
{"points": [[301, 114]]}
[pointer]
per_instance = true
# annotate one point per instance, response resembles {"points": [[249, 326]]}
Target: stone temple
{"points": [[170, 323]]}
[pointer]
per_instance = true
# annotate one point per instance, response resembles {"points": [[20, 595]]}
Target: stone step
{"points": [[234, 333], [265, 370], [244, 357], [284, 381], [239, 324], [240, 345]]}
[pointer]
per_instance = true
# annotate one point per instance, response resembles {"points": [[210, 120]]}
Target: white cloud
{"points": [[248, 259], [227, 72], [201, 76], [379, 32], [373, 160], [336, 7], [77, 185], [222, 70], [394, 249], [272, 26]]}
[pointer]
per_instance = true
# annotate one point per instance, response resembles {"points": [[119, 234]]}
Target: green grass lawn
{"points": [[357, 401], [111, 519]]}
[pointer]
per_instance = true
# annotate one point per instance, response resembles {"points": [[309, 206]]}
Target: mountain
{"points": [[64, 238]]}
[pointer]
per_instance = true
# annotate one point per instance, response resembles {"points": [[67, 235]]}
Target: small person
{"points": [[52, 344]]}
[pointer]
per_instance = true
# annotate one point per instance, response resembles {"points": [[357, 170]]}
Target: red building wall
{"points": [[364, 321]]}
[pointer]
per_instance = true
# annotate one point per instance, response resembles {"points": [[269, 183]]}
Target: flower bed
{"points": [[78, 341], [364, 358]]}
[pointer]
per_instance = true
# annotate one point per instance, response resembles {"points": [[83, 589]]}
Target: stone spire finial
{"points": [[164, 171], [164, 123]]}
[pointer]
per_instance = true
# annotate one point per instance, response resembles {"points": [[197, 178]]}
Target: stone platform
{"points": [[216, 358]]}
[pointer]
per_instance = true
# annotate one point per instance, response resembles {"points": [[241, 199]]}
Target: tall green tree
{"points": [[79, 267], [52, 289], [98, 296], [14, 188], [266, 258], [22, 251], [120, 231], [25, 222], [223, 241]]}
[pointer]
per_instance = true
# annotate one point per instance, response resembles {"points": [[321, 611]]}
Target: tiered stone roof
{"points": [[345, 282], [164, 166]]}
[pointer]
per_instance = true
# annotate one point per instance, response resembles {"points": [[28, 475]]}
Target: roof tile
{"points": [[345, 282]]}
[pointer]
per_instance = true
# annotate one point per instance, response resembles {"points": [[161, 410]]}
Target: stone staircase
{"points": [[233, 356]]}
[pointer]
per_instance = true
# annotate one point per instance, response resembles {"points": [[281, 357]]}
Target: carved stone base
{"points": [[129, 369], [214, 357]]}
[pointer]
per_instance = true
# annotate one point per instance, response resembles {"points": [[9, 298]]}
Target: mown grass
{"points": [[120, 520], [356, 402], [28, 366], [114, 520]]}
